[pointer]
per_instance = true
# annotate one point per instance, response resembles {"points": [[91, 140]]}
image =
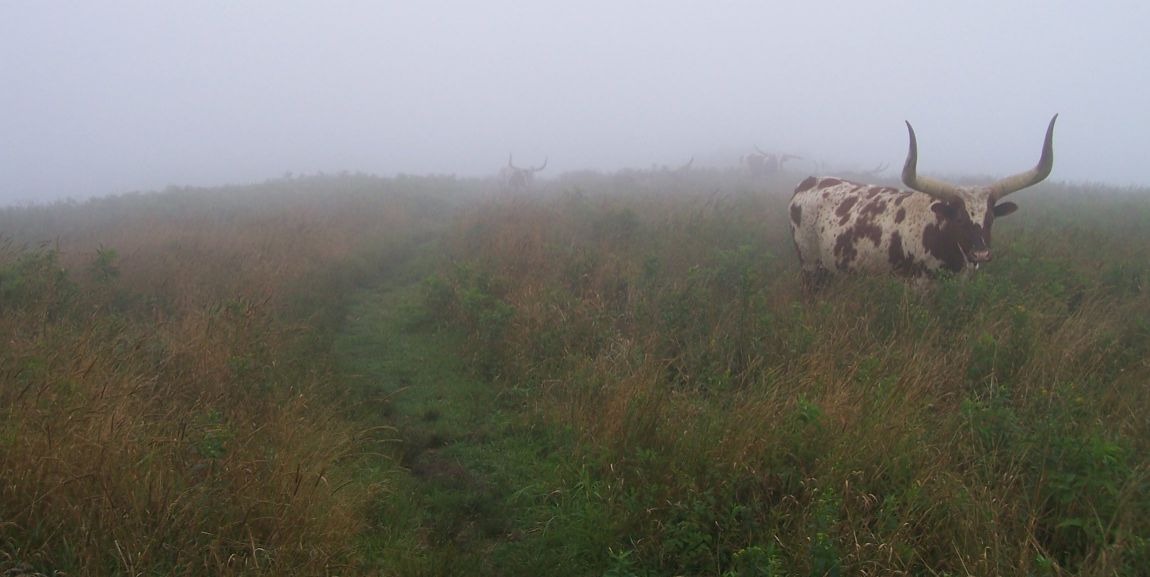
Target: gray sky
{"points": [[110, 96]]}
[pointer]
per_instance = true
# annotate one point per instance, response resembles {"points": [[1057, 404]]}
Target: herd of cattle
{"points": [[757, 164], [842, 226]]}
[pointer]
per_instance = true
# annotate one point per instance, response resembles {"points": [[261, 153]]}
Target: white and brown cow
{"points": [[842, 226]]}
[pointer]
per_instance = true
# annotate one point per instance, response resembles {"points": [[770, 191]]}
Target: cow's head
{"points": [[516, 177], [529, 169], [960, 234]]}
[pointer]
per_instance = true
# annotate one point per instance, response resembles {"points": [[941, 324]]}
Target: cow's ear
{"points": [[1004, 209], [943, 209]]}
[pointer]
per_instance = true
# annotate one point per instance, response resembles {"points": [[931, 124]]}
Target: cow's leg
{"points": [[815, 278]]}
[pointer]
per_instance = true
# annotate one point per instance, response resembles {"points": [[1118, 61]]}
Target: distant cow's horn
{"points": [[943, 191], [1033, 176], [541, 167]]}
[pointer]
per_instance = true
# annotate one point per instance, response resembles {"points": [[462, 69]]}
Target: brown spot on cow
{"points": [[868, 230], [844, 209], [806, 184], [829, 182], [796, 214], [895, 254], [944, 211], [900, 215], [872, 209], [940, 242], [845, 245], [902, 263], [845, 252]]}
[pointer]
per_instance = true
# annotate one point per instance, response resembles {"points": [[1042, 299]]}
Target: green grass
{"points": [[476, 485]]}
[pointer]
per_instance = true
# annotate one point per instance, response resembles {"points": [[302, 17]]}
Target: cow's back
{"points": [[844, 226]]}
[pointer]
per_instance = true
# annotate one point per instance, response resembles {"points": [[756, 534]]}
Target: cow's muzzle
{"points": [[979, 256]]}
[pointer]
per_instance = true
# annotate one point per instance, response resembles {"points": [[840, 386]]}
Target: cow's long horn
{"points": [[943, 191], [541, 167], [1010, 184], [509, 163]]}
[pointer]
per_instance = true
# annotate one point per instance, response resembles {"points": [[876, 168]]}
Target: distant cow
{"points": [[759, 164], [682, 169], [842, 226], [515, 178]]}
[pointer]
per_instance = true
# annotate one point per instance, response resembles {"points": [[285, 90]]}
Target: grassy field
{"points": [[609, 375]]}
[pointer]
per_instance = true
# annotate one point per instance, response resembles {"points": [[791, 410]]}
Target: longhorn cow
{"points": [[842, 226], [759, 164], [516, 178]]}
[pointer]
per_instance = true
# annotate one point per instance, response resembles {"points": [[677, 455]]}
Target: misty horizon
{"points": [[129, 96]]}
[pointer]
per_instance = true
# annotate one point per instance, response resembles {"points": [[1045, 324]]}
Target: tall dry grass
{"points": [[992, 425], [166, 406]]}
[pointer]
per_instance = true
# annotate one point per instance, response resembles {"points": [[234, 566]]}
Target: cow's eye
{"points": [[944, 210]]}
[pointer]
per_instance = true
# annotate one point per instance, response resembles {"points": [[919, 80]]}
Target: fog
{"points": [[115, 96]]}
